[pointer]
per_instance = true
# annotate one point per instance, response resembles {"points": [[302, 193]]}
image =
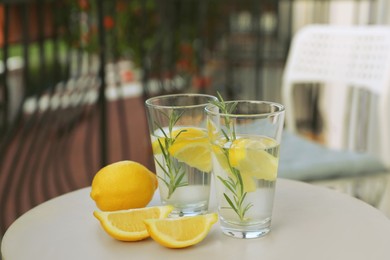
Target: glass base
{"points": [[253, 231], [192, 211]]}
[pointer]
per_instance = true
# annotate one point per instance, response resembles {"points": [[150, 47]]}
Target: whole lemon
{"points": [[123, 185]]}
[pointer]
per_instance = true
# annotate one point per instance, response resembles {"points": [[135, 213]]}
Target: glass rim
{"points": [[149, 101], [281, 109]]}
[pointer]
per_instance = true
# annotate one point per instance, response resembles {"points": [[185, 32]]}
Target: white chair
{"points": [[340, 59]]}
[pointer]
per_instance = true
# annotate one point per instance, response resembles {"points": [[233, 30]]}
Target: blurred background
{"points": [[74, 75]]}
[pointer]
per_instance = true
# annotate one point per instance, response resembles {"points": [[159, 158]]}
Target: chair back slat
{"points": [[340, 58]]}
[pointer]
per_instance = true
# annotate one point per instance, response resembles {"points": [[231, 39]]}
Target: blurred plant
{"points": [[130, 27], [165, 36]]}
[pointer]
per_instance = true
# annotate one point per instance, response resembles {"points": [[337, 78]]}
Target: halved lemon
{"points": [[128, 225], [180, 232]]}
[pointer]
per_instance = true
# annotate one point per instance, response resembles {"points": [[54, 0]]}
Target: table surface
{"points": [[309, 222]]}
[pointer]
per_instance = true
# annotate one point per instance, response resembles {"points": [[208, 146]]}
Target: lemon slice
{"points": [[180, 134], [180, 232], [191, 146], [212, 130], [128, 225], [220, 156], [250, 158], [197, 155]]}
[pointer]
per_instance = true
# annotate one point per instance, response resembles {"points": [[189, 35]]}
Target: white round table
{"points": [[309, 222]]}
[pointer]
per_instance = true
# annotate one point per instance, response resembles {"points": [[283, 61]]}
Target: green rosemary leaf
{"points": [[230, 202], [177, 168], [227, 184], [234, 133], [161, 129], [181, 131], [239, 178], [237, 202], [172, 171], [225, 134], [183, 184], [176, 117], [232, 107], [242, 198], [173, 119], [166, 183], [233, 183], [250, 205], [162, 167], [179, 178], [161, 146], [219, 96], [159, 164]]}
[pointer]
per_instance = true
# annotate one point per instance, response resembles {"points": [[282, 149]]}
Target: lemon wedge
{"points": [[128, 225], [180, 232]]}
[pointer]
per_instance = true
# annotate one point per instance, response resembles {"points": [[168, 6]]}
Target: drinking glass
{"points": [[181, 150], [245, 137]]}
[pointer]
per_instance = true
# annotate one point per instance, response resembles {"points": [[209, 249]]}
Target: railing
{"points": [[54, 140]]}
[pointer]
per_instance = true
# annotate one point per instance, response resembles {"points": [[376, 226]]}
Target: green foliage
{"points": [[172, 170], [234, 184]]}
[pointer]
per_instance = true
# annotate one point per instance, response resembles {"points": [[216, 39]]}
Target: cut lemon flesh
{"points": [[250, 157], [221, 157], [197, 155], [180, 232], [191, 146], [128, 225]]}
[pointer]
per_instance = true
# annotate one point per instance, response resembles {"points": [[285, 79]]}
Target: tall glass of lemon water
{"points": [[245, 137], [181, 151]]}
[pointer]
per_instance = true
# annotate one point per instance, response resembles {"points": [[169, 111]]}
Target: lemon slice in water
{"points": [[250, 157], [191, 146]]}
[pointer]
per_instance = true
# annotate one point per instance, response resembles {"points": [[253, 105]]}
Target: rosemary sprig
{"points": [[172, 170], [226, 109], [234, 183]]}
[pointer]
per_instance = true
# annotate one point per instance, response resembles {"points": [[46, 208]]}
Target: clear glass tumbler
{"points": [[245, 137], [181, 150]]}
